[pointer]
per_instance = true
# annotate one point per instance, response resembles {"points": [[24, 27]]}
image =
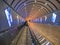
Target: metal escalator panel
{"points": [[22, 39], [28, 38], [25, 38]]}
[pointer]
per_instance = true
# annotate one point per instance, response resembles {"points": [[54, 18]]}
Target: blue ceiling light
{"points": [[40, 19], [8, 16], [45, 18], [18, 19], [54, 17]]}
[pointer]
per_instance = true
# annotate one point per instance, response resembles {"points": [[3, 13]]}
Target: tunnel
{"points": [[29, 22]]}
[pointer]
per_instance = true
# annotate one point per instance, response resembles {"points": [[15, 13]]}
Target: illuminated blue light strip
{"points": [[53, 17], [9, 17]]}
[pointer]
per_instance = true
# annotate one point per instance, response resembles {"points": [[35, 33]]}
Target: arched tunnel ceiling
{"points": [[31, 9]]}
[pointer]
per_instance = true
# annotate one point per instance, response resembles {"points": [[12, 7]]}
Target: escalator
{"points": [[24, 37], [27, 37]]}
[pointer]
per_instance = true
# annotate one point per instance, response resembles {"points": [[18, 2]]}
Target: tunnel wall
{"points": [[7, 33], [3, 19], [49, 19]]}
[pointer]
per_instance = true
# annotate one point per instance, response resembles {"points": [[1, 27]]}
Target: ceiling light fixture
{"points": [[46, 3], [33, 5], [42, 7], [35, 1], [39, 9], [24, 4]]}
